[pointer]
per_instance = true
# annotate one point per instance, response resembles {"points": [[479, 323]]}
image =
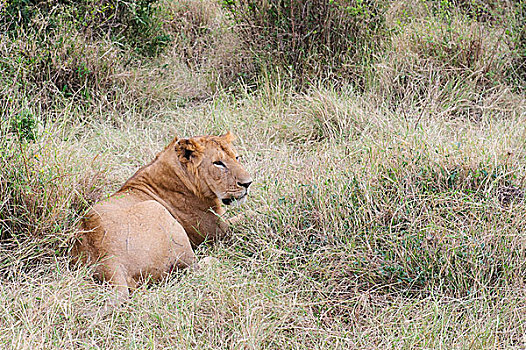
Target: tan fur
{"points": [[148, 227]]}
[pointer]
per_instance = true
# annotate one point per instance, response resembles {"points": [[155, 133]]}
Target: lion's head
{"points": [[214, 165]]}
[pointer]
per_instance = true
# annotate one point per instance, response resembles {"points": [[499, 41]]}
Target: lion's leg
{"points": [[236, 219], [204, 263], [121, 286], [188, 259], [247, 215]]}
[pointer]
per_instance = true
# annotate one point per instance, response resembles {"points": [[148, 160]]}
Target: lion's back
{"points": [[141, 235]]}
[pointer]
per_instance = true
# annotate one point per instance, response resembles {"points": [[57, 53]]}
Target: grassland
{"points": [[388, 196]]}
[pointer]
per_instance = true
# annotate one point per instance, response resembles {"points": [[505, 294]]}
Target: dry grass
{"points": [[361, 237], [377, 223], [206, 45]]}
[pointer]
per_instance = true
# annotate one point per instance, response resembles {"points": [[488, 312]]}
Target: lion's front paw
{"points": [[205, 263]]}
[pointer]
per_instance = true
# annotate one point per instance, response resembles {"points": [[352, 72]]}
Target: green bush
{"points": [[312, 40], [73, 49]]}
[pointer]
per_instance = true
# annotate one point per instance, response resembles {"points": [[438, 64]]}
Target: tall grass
{"points": [[443, 60], [314, 39], [388, 201]]}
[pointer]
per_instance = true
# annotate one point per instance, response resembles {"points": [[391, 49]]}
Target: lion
{"points": [[149, 227]]}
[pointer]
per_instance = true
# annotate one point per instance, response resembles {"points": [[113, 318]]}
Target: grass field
{"points": [[388, 195]]}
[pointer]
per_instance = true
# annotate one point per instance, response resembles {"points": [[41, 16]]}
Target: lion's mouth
{"points": [[231, 200]]}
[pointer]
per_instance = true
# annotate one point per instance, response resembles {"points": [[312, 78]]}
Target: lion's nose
{"points": [[244, 184]]}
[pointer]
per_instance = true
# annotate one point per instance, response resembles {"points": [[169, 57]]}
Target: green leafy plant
{"points": [[24, 125]]}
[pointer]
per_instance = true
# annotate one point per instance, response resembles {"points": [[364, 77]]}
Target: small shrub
{"points": [[44, 187], [142, 27], [446, 62], [489, 11], [24, 125]]}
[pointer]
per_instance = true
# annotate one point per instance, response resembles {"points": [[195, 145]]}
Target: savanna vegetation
{"points": [[387, 141]]}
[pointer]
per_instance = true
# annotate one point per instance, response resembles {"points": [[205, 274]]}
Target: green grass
{"points": [[389, 217]]}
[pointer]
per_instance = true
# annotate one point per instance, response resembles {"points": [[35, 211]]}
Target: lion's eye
{"points": [[238, 158], [219, 164]]}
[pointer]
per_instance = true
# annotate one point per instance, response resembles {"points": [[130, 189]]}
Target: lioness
{"points": [[149, 227]]}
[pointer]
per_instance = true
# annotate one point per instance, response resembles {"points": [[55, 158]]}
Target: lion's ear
{"points": [[228, 137], [188, 149]]}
